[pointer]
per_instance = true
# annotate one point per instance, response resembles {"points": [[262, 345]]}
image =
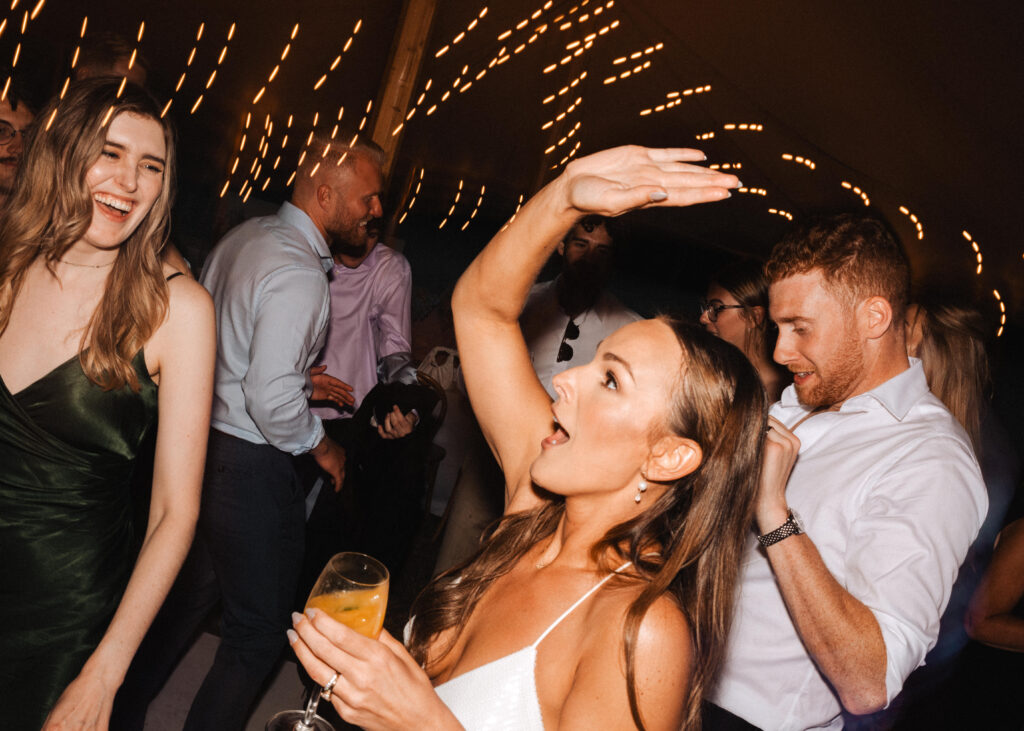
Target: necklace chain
{"points": [[87, 266]]}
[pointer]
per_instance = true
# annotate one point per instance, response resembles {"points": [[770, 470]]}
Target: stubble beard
{"points": [[835, 379]]}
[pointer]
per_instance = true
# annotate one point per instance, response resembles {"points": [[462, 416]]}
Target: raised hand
{"points": [[614, 181]]}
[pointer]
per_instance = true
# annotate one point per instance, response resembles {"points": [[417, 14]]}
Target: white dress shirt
{"points": [[891, 495], [543, 323], [269, 285]]}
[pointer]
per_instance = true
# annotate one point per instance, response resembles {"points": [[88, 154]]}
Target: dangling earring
{"points": [[641, 488]]}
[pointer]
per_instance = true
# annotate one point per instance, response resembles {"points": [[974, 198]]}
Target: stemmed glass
{"points": [[352, 589]]}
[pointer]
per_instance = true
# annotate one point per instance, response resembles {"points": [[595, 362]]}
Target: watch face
{"points": [[797, 520]]}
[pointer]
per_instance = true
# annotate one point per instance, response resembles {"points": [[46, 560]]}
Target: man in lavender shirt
{"points": [[368, 348]]}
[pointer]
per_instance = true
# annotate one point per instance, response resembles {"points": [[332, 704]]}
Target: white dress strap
{"points": [[579, 601]]}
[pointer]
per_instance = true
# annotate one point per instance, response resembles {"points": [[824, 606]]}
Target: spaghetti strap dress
{"points": [[67, 449]]}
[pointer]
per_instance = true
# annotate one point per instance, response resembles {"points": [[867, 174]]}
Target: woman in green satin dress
{"points": [[97, 337]]}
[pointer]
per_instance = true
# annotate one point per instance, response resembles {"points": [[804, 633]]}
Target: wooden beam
{"points": [[404, 67]]}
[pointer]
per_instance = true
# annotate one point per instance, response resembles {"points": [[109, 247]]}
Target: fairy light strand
{"points": [[675, 98], [337, 60], [915, 220], [806, 162], [462, 34], [975, 248], [857, 191]]}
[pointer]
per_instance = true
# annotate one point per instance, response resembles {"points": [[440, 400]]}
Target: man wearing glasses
{"points": [[15, 117], [564, 319]]}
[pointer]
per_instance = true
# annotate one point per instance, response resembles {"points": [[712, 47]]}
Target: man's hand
{"points": [[396, 424], [331, 458], [328, 388], [781, 448]]}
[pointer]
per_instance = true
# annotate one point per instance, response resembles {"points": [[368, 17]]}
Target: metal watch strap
{"points": [[787, 529]]}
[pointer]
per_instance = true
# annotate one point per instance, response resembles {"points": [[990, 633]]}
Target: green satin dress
{"points": [[67, 448]]}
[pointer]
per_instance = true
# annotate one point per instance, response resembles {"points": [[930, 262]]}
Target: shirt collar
{"points": [[298, 218], [897, 395]]}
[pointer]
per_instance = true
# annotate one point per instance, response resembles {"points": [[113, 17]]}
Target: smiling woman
{"points": [[94, 335], [603, 597]]}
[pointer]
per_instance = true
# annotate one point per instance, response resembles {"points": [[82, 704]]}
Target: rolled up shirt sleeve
{"points": [[291, 313], [906, 546]]}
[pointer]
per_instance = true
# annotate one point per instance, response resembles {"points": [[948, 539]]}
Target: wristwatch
{"points": [[792, 527]]}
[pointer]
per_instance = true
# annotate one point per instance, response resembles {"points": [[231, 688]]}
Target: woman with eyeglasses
{"points": [[736, 310], [603, 597], [95, 335]]}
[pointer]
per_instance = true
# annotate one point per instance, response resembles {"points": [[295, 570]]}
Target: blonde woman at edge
{"points": [[603, 598], [95, 335]]}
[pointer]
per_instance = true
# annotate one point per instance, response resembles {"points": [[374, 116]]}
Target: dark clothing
{"points": [[67, 449], [247, 553]]}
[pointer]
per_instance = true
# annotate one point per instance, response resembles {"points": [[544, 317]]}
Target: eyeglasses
{"points": [[565, 352], [714, 308], [8, 132]]}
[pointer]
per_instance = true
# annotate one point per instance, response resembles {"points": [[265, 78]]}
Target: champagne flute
{"points": [[352, 589]]}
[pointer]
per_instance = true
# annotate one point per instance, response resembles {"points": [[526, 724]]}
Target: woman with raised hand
{"points": [[96, 338], [603, 597]]}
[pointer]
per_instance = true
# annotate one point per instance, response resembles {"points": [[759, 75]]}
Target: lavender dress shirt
{"points": [[370, 320]]}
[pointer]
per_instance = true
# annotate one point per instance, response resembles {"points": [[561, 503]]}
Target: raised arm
{"points": [[508, 400], [182, 351]]}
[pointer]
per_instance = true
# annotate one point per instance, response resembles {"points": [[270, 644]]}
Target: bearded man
{"points": [[268, 278], [842, 590]]}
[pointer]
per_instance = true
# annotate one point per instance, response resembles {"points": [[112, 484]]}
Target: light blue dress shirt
{"points": [[269, 286]]}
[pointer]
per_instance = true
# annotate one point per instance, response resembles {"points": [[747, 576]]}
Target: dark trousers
{"points": [[247, 553], [715, 718]]}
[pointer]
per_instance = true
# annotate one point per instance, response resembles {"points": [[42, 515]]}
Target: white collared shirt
{"points": [[543, 323], [891, 495]]}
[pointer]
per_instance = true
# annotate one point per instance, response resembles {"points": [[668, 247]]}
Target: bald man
{"points": [[268, 278]]}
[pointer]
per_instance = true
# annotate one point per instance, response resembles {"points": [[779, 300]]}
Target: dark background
{"points": [[916, 102]]}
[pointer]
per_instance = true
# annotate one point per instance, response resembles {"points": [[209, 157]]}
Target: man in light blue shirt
{"points": [[269, 284]]}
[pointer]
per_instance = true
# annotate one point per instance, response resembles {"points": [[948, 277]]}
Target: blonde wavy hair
{"points": [[52, 208]]}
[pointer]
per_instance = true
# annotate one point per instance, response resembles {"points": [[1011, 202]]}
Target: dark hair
{"points": [[52, 208], [18, 92], [101, 52], [857, 254], [687, 544], [744, 279]]}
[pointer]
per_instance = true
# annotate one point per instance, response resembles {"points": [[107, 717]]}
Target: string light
{"points": [[806, 162], [706, 136], [779, 212], [412, 201], [638, 54], [565, 21], [744, 126], [475, 208], [469, 29], [917, 223], [451, 210], [526, 21], [565, 139], [726, 166], [858, 191], [1002, 312], [255, 100], [976, 248], [752, 191], [675, 98], [337, 60], [515, 213]]}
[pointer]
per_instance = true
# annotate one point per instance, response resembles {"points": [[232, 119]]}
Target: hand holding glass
{"points": [[353, 590]]}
